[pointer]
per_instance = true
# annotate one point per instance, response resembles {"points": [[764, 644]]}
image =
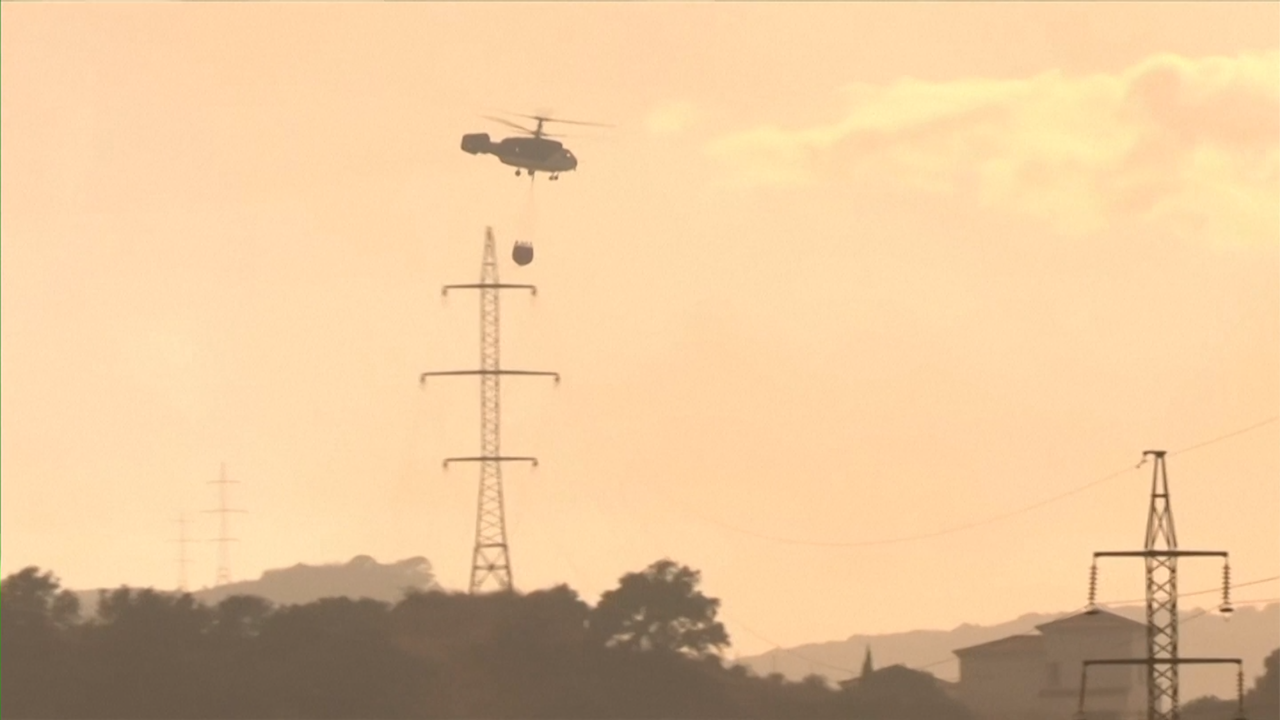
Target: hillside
{"points": [[1250, 634], [361, 577]]}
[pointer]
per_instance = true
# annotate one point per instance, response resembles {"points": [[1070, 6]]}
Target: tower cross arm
{"points": [[492, 458], [1160, 553], [489, 286], [423, 378], [1165, 661]]}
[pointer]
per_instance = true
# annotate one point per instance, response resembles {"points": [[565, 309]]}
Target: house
{"points": [[901, 676], [1037, 676]]}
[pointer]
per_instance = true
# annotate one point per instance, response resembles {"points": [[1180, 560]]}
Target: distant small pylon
{"points": [[224, 550], [182, 552]]}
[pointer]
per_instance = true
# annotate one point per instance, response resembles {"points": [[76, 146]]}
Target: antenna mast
{"points": [[1161, 553], [224, 537], [490, 561]]}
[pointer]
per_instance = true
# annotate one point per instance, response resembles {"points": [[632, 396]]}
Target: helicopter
{"points": [[532, 154]]}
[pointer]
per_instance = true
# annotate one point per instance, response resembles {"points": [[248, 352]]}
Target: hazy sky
{"points": [[842, 272]]}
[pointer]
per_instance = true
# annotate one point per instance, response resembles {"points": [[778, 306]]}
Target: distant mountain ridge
{"points": [[361, 577], [1250, 634]]}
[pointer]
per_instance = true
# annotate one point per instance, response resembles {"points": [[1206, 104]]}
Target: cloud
{"points": [[1192, 142], [672, 118]]}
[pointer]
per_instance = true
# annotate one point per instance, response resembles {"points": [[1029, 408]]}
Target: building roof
{"points": [[945, 685], [1100, 618], [1014, 644]]}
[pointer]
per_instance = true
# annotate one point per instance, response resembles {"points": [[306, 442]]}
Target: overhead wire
{"points": [[627, 541], [778, 648], [734, 620], [953, 658], [1201, 613], [1118, 643], [1054, 499], [1256, 601], [812, 661], [1227, 436], [971, 525], [553, 535], [1259, 581]]}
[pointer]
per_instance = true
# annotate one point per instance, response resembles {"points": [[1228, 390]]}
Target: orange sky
{"points": [[842, 272]]}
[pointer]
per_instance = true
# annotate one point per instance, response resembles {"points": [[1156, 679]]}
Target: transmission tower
{"points": [[1161, 553], [491, 559], [182, 552], [224, 537]]}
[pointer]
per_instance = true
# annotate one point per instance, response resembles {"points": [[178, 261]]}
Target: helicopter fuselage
{"points": [[535, 154]]}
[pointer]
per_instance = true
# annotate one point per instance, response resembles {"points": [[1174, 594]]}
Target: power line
{"points": [[967, 526], [1228, 436], [1117, 644], [778, 648], [953, 658], [1273, 578], [627, 540]]}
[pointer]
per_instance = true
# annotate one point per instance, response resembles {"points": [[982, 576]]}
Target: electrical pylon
{"points": [[182, 552], [1161, 553], [491, 557], [224, 550]]}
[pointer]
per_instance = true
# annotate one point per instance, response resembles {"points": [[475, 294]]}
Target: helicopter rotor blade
{"points": [[578, 122], [508, 123], [544, 118]]}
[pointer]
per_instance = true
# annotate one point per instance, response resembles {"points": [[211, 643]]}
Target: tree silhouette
{"points": [[37, 616], [151, 647], [661, 609], [334, 659], [647, 650], [904, 694], [1262, 702], [1208, 707]]}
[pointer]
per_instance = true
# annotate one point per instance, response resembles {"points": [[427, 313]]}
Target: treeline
{"points": [[1261, 702], [649, 649]]}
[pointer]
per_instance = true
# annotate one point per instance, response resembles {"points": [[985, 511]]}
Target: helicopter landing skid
{"points": [[552, 176]]}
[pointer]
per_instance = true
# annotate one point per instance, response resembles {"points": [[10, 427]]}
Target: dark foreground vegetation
{"points": [[648, 649]]}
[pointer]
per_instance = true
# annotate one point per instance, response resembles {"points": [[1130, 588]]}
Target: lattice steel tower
{"points": [[182, 552], [1161, 553], [224, 537], [491, 558]]}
